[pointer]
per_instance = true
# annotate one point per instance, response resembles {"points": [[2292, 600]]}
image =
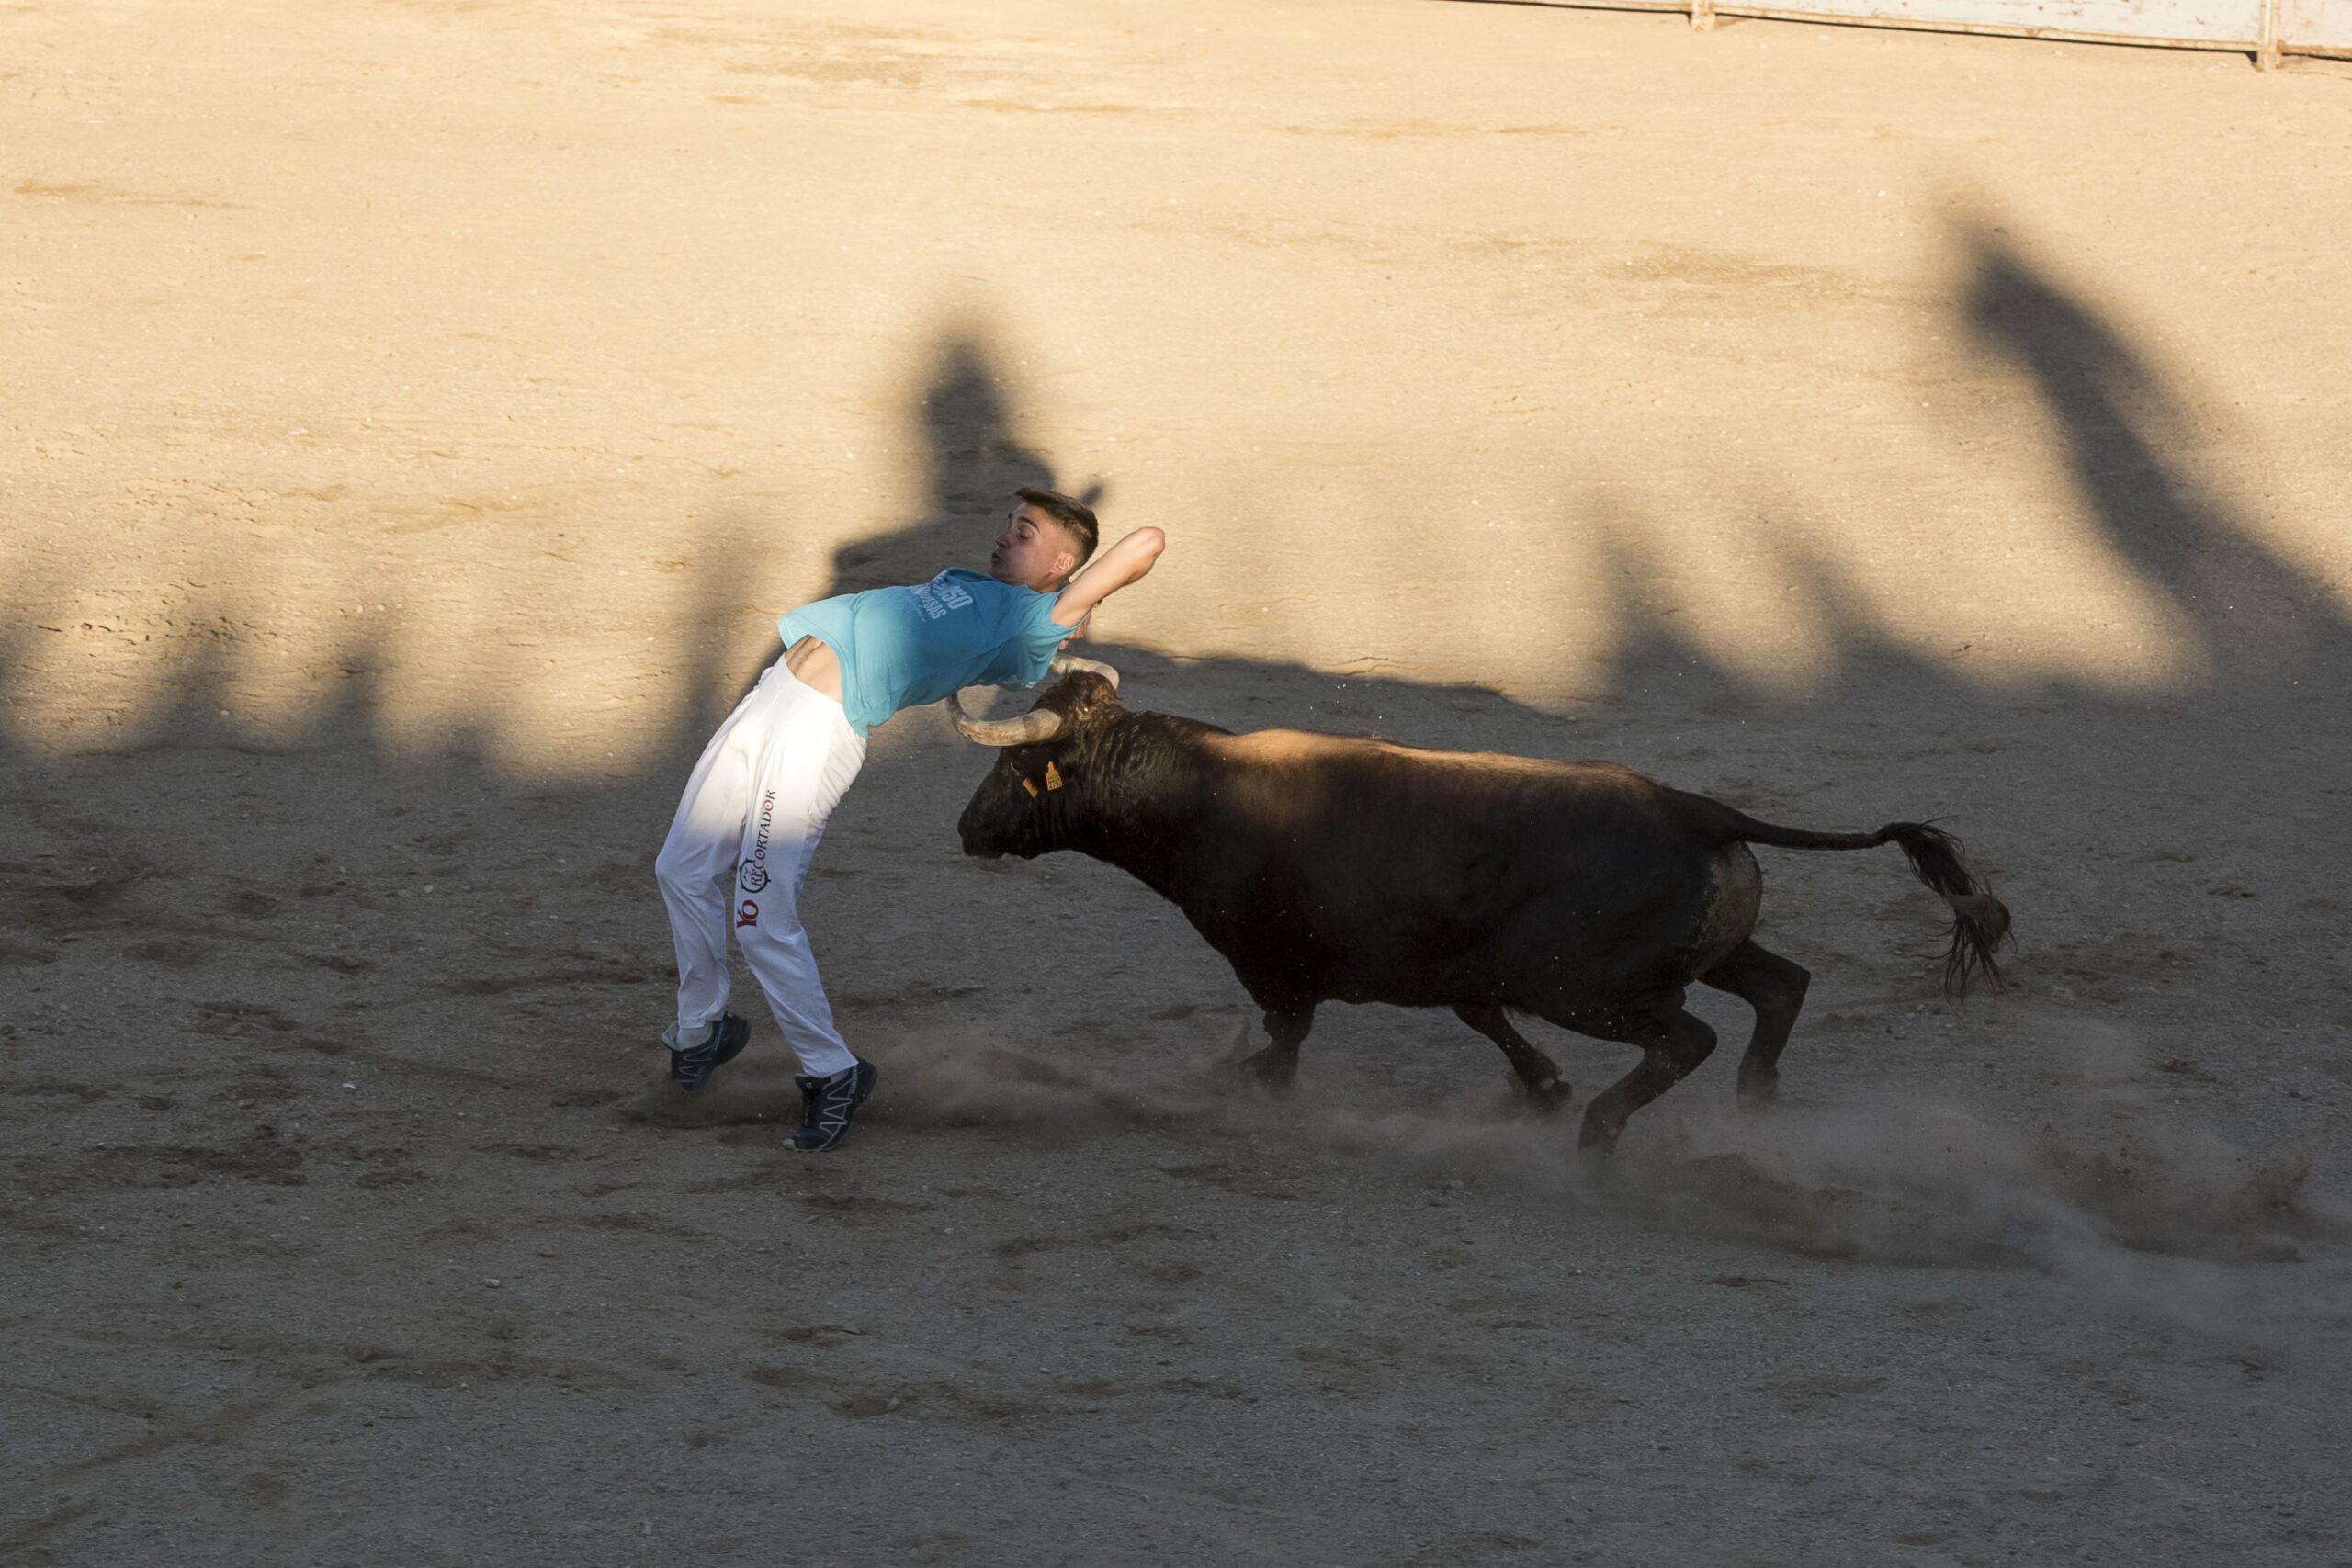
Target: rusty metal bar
{"points": [[2268, 47], [1983, 29]]}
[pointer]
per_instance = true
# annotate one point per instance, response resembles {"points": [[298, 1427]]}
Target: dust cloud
{"points": [[930, 1079], [2095, 1187], [2101, 1187]]}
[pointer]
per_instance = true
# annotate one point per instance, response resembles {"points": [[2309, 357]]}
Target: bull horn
{"points": [[1066, 662], [1037, 724]]}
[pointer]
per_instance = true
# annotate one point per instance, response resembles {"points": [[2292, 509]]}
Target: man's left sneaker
{"points": [[691, 1068], [826, 1104]]}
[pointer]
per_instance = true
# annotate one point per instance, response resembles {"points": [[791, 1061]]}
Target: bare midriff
{"points": [[814, 666]]}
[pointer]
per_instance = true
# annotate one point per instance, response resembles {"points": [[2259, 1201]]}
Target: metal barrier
{"points": [[2267, 29]]}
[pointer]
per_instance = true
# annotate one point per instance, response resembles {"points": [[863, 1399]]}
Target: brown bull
{"points": [[1336, 868]]}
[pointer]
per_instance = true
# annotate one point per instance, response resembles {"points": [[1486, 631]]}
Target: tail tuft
{"points": [[1980, 922]]}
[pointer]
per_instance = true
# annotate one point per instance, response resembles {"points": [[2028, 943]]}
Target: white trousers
{"points": [[738, 855]]}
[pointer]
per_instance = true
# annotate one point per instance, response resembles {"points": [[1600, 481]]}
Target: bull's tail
{"points": [[1980, 922]]}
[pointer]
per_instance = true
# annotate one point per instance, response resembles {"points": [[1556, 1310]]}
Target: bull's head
{"points": [[1035, 797]]}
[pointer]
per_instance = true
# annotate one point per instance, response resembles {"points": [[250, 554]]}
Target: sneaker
{"points": [[691, 1068], [825, 1105]]}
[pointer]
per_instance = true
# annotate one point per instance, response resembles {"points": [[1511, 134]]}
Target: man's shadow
{"points": [[2120, 426], [973, 461]]}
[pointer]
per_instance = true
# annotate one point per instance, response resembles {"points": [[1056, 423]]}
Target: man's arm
{"points": [[1107, 573]]}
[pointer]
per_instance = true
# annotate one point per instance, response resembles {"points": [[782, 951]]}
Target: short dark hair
{"points": [[1072, 513]]}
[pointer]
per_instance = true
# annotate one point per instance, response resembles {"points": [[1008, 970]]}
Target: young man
{"points": [[755, 806]]}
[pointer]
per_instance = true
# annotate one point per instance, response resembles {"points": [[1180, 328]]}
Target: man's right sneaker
{"points": [[826, 1104], [691, 1068]]}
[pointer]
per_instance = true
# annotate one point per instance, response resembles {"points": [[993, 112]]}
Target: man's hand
{"points": [[1123, 563]]}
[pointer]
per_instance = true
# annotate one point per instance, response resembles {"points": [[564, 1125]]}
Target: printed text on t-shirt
{"points": [[939, 595]]}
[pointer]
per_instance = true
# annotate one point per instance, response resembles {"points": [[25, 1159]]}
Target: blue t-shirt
{"points": [[900, 648]]}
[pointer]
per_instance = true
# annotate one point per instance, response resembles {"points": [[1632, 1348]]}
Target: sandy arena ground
{"points": [[411, 416]]}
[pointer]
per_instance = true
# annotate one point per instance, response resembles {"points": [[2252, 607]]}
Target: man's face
{"points": [[1033, 551]]}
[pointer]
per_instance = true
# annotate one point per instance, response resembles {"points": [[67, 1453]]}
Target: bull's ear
{"points": [[1092, 693]]}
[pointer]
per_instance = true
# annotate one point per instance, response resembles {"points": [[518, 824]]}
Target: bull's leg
{"points": [[1775, 988], [1672, 1047], [1537, 1072], [1276, 1066]]}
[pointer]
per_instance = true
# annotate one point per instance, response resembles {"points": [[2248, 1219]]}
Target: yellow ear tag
{"points": [[1053, 777], [1031, 786]]}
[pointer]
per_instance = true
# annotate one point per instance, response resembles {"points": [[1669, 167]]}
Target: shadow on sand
{"points": [[107, 868]]}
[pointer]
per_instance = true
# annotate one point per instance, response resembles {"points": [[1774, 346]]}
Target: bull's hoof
{"points": [[1597, 1139], [1549, 1097], [1757, 1092], [1269, 1072], [1599, 1165]]}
